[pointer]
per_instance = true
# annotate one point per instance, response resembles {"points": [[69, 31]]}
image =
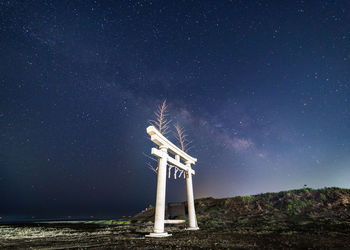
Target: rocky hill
{"points": [[305, 209]]}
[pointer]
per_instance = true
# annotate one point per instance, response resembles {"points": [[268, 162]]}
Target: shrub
{"points": [[247, 198], [296, 207]]}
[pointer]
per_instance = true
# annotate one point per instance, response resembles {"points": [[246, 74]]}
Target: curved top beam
{"points": [[161, 140]]}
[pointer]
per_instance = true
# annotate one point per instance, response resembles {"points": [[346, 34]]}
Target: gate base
{"points": [[158, 235]]}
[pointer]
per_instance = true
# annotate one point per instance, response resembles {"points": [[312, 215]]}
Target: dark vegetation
{"points": [[294, 210], [298, 219]]}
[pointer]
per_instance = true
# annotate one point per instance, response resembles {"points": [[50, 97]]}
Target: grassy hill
{"points": [[305, 209]]}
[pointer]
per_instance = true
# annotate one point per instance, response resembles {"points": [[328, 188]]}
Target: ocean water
{"points": [[30, 219]]}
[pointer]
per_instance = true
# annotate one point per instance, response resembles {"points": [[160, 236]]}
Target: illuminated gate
{"points": [[165, 146]]}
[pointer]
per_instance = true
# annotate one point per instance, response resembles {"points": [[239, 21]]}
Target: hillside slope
{"points": [[305, 209]]}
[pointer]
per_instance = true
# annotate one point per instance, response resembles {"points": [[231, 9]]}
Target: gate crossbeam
{"points": [[160, 140], [171, 160]]}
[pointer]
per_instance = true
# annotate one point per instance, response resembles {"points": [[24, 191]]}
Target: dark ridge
{"points": [[298, 210]]}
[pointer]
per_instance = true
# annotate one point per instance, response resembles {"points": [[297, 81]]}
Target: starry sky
{"points": [[261, 87]]}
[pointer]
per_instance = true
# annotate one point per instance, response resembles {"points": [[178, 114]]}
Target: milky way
{"points": [[262, 88]]}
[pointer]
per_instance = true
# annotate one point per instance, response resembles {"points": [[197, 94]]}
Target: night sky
{"points": [[262, 88]]}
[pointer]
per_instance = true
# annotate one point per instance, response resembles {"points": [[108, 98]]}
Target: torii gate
{"points": [[163, 158]]}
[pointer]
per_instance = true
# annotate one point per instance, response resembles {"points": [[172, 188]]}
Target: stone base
{"points": [[174, 221], [158, 235], [192, 228]]}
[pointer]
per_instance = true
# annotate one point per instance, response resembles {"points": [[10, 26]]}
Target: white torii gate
{"points": [[163, 158]]}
